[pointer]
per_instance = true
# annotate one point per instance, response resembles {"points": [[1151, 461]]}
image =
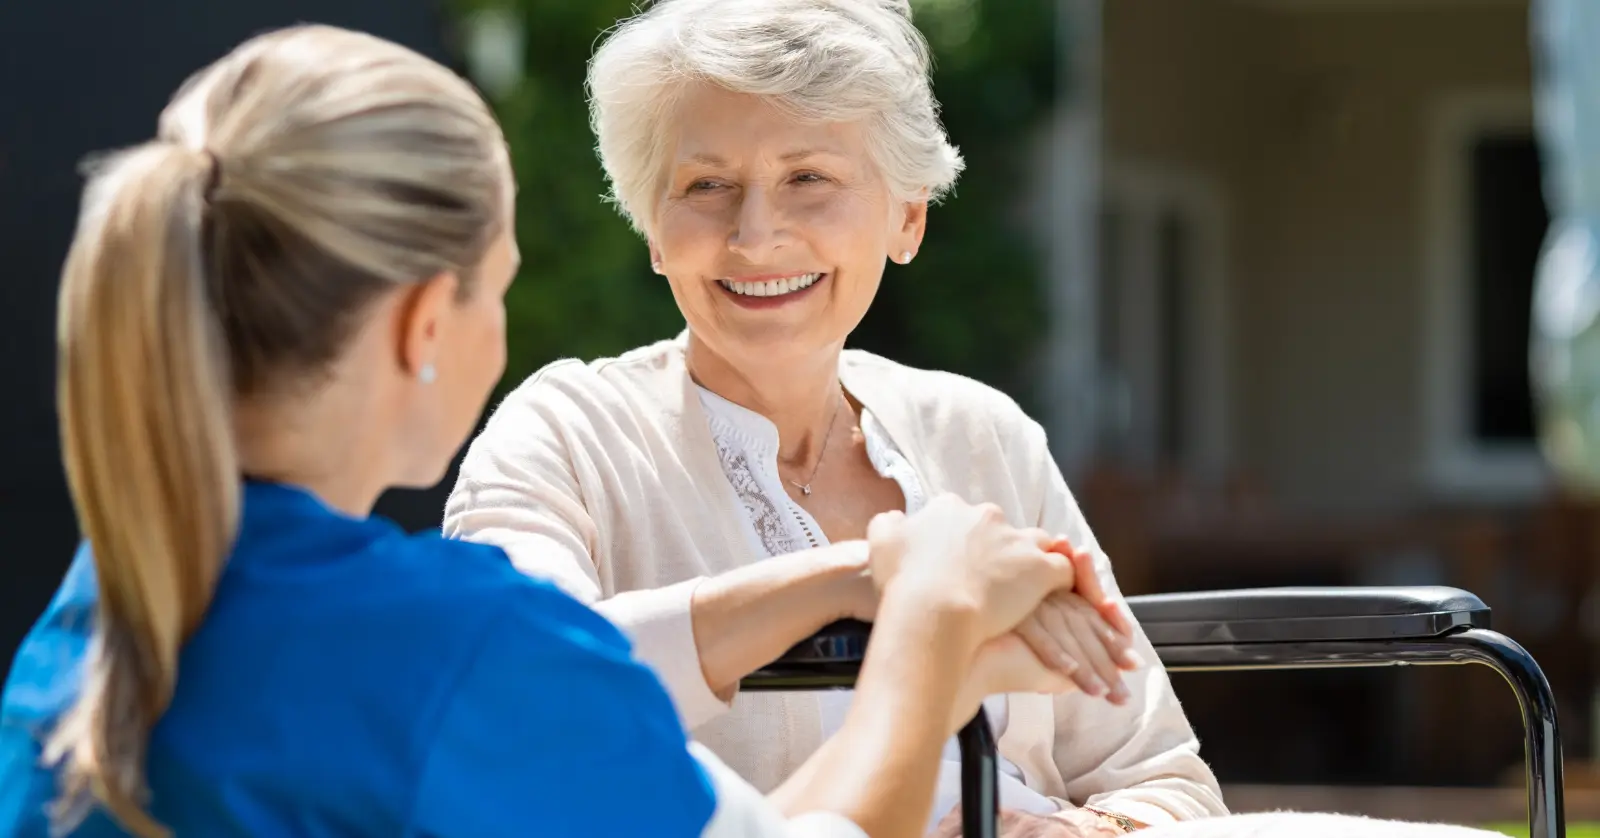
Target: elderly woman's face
{"points": [[773, 231]]}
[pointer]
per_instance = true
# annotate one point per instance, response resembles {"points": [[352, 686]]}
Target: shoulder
{"points": [[935, 398], [573, 396], [478, 576], [653, 367]]}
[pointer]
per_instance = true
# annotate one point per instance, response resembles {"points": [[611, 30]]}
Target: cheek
{"points": [[494, 338], [688, 232], [852, 224], [484, 343]]}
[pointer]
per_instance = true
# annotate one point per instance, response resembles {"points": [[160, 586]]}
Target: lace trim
{"points": [[769, 522], [780, 525]]}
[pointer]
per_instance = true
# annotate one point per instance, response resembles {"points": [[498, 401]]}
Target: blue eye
{"points": [[703, 186], [810, 177]]}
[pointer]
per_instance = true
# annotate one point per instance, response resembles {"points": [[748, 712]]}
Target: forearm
{"points": [[879, 769], [747, 618]]}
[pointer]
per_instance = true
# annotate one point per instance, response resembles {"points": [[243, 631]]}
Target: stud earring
{"points": [[905, 258], [427, 374], [656, 266]]}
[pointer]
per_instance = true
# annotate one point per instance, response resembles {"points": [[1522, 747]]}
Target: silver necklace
{"points": [[805, 488]]}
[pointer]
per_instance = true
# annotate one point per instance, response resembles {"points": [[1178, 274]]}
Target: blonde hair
{"points": [[824, 60], [290, 185]]}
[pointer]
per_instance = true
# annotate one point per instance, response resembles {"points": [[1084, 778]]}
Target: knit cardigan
{"points": [[604, 477]]}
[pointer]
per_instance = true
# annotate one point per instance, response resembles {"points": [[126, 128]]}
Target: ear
{"points": [[912, 220], [423, 315], [655, 255]]}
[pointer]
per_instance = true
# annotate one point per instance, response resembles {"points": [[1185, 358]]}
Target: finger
{"points": [[1087, 579], [1088, 585], [1117, 644], [1115, 612], [1096, 656], [1055, 621], [1058, 570], [1045, 645], [886, 525]]}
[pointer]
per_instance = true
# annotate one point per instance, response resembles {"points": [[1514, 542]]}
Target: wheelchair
{"points": [[1257, 629]]}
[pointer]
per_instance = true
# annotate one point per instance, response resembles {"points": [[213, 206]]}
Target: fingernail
{"points": [[1132, 659], [1120, 693], [1066, 663], [1096, 687]]}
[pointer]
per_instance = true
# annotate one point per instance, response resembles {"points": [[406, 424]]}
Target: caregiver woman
{"points": [[708, 493]]}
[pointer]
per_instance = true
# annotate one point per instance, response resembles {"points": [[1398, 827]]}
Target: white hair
{"points": [[824, 60]]}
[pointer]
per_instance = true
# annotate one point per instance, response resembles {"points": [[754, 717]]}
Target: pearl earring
{"points": [[427, 374], [656, 266], [905, 258]]}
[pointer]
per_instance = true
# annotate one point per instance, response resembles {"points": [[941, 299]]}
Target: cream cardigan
{"points": [[604, 478]]}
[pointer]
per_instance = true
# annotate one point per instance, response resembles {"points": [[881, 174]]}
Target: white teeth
{"points": [[772, 287]]}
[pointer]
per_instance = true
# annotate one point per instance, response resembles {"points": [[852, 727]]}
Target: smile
{"points": [[772, 287]]}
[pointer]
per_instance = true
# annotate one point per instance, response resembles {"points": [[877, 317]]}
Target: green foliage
{"points": [[971, 302]]}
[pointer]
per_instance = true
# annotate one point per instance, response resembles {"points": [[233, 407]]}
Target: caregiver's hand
{"points": [[1004, 665], [958, 553]]}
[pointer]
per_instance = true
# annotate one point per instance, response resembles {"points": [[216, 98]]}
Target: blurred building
{"points": [[1315, 228]]}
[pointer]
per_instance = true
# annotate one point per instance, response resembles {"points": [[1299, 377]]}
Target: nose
{"points": [[760, 229]]}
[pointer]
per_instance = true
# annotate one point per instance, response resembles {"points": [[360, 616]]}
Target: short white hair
{"points": [[825, 60]]}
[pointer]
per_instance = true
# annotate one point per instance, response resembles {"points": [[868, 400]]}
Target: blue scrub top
{"points": [[350, 679]]}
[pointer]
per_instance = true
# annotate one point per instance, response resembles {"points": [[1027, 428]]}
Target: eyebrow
{"points": [[707, 159]]}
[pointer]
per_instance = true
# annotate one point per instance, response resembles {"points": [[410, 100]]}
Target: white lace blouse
{"points": [[747, 444]]}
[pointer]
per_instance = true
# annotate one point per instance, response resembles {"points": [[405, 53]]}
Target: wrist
{"points": [[951, 622], [1106, 820], [846, 588], [850, 582]]}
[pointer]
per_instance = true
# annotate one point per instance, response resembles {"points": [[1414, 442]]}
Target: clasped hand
{"points": [[1045, 620]]}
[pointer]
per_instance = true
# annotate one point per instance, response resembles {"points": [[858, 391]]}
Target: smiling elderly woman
{"points": [[709, 493]]}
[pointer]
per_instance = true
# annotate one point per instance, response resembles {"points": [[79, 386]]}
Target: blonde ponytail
{"points": [[147, 437]]}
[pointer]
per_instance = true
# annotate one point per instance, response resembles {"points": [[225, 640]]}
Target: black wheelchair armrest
{"points": [[1295, 615], [829, 659]]}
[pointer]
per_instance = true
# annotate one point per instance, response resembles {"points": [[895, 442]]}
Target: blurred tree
{"points": [[972, 301]]}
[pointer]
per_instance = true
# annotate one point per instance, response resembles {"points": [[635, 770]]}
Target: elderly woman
{"points": [[709, 493]]}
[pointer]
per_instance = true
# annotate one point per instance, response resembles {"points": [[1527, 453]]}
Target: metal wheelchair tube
{"points": [[980, 791], [1542, 739]]}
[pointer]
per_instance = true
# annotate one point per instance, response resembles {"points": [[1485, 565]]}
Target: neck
{"points": [[323, 444], [800, 398]]}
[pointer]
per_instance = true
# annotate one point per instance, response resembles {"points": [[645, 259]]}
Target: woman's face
{"points": [[773, 231]]}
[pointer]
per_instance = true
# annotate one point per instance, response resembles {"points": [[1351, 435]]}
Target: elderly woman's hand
{"points": [[961, 553], [1075, 638], [1083, 633]]}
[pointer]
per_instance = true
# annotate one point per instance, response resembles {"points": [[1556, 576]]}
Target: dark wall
{"points": [[78, 76]]}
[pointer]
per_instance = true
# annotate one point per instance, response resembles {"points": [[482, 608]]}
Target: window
{"points": [[1161, 352], [1485, 225], [1508, 226]]}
